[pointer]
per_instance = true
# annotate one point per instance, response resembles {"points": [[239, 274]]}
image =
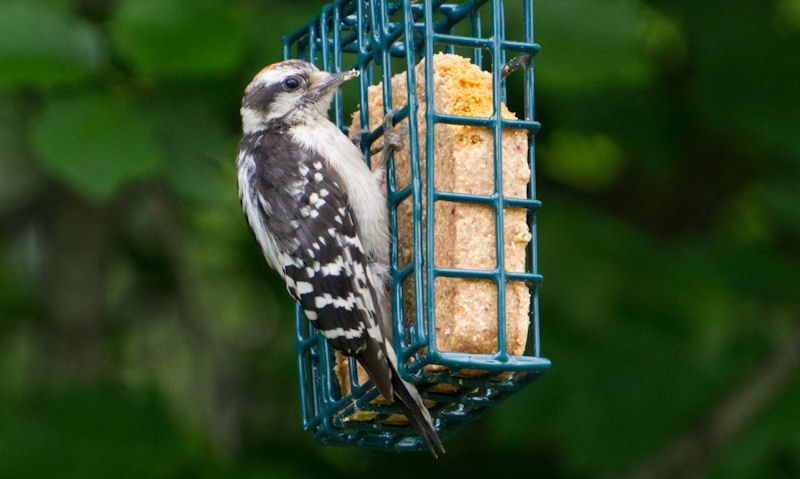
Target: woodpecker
{"points": [[320, 218]]}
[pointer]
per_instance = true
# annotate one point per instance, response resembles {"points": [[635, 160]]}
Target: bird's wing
{"points": [[324, 264]]}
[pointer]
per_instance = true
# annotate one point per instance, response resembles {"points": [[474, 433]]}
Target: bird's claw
{"points": [[391, 141]]}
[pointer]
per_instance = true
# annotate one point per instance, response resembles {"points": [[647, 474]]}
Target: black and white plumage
{"points": [[318, 213]]}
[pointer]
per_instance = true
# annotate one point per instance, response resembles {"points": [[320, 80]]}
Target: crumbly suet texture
{"points": [[464, 234]]}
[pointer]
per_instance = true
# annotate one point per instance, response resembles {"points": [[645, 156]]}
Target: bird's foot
{"points": [[391, 141], [358, 137]]}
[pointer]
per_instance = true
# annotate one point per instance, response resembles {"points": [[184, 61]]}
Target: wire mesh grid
{"points": [[376, 37]]}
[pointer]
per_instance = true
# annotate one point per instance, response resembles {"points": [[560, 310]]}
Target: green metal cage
{"points": [[376, 37]]}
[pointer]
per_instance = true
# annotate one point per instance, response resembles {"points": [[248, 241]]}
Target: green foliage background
{"points": [[141, 335]]}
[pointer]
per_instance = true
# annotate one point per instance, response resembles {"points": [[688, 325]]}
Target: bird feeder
{"points": [[404, 39]]}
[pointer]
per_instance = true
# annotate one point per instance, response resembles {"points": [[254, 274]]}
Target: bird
{"points": [[321, 220]]}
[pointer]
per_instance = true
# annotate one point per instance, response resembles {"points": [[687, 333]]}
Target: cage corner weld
{"points": [[463, 224]]}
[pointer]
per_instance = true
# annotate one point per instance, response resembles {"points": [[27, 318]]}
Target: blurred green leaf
{"points": [[18, 178], [96, 143], [589, 45], [787, 14], [198, 146], [664, 41], [770, 447], [745, 78], [781, 204], [179, 38], [588, 161], [97, 432], [647, 332], [42, 43]]}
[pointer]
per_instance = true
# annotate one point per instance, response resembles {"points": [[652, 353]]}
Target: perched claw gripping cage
{"points": [[382, 38]]}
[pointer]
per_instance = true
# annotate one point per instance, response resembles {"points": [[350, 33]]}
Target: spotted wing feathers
{"points": [[301, 205]]}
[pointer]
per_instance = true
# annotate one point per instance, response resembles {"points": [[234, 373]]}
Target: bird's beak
{"points": [[334, 80]]}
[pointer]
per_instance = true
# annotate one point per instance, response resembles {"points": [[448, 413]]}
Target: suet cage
{"points": [[377, 37]]}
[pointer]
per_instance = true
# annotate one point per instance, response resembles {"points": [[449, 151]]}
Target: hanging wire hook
{"points": [[514, 64]]}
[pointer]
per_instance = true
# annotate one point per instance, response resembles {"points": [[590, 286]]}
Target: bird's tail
{"points": [[383, 370], [411, 403]]}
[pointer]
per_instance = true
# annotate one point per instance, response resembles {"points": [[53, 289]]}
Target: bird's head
{"points": [[289, 87]]}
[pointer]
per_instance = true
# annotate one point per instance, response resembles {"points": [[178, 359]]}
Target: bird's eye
{"points": [[292, 83]]}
